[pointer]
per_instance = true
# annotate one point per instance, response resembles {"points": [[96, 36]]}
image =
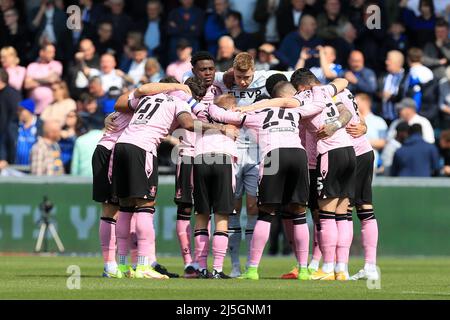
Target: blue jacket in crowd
{"points": [[416, 158]]}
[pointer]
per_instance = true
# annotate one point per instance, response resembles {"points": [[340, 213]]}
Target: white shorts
{"points": [[247, 175]]}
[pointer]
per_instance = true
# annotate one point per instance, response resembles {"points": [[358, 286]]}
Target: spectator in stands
{"points": [[329, 21], [91, 14], [420, 28], [184, 22], [391, 86], [266, 15], [49, 26], [444, 99], [437, 53], [289, 16], [85, 59], [247, 9], [154, 29], [109, 75], [183, 63], [344, 43], [101, 97], [370, 40], [416, 158], [122, 23], [16, 33], [243, 41], [215, 25], [61, 106], [376, 126], [225, 53], [82, 153], [134, 39], [29, 127], [137, 68], [444, 144], [104, 42], [92, 106], [153, 71], [266, 58], [46, 154], [407, 111], [292, 45], [421, 85], [10, 62], [392, 145], [9, 100], [396, 38], [41, 75], [73, 128], [328, 69], [360, 78]]}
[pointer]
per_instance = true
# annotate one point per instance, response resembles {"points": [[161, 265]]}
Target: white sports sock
{"points": [[111, 267], [370, 267], [328, 267], [341, 267], [314, 264]]}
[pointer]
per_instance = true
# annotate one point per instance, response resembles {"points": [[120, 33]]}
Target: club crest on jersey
{"points": [[153, 191]]}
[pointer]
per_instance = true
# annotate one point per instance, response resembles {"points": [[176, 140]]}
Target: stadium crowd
{"points": [[58, 84]]}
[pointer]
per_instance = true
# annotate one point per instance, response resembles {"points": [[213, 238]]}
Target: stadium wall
{"points": [[413, 215]]}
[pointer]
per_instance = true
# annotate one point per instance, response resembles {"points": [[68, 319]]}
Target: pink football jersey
{"points": [[322, 95], [213, 141], [154, 117], [275, 128], [110, 137], [360, 144], [309, 142], [186, 137]]}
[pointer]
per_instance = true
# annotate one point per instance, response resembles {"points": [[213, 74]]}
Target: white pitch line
{"points": [[427, 293]]}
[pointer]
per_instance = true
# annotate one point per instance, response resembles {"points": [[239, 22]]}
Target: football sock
{"points": [[249, 230], [133, 242], [201, 239], [260, 237], [183, 227], [301, 239], [145, 234], [369, 235], [344, 240], [234, 237], [123, 233], [219, 248], [107, 233], [328, 237], [316, 254]]}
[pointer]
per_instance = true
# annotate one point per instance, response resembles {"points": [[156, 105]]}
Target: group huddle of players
{"points": [[283, 139]]}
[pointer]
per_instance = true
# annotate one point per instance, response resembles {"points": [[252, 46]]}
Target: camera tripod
{"points": [[47, 225]]}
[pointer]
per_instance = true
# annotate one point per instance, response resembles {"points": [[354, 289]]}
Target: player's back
{"points": [[121, 121], [213, 141], [153, 118], [360, 144], [329, 114], [275, 128]]}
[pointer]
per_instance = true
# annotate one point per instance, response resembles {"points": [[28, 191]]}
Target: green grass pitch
{"points": [[37, 277]]}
